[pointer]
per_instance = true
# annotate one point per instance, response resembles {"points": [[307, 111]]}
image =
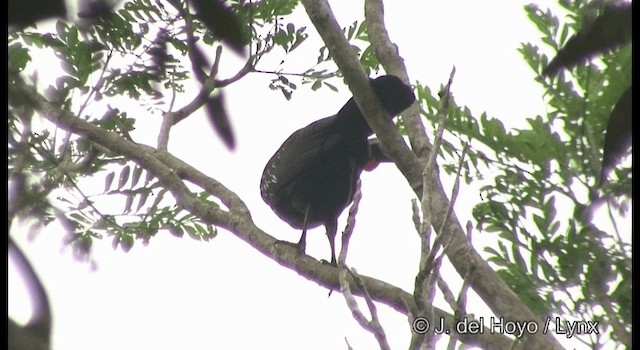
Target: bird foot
{"points": [[299, 247], [332, 263]]}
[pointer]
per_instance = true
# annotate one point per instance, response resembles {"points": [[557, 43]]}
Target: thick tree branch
{"points": [[492, 289], [389, 57], [172, 172], [320, 14]]}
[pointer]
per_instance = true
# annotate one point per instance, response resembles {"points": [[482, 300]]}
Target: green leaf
{"points": [[109, 180], [191, 231], [330, 86], [135, 177], [18, 57], [160, 196], [176, 231], [550, 208], [144, 195], [124, 176], [129, 202], [351, 30], [126, 242]]}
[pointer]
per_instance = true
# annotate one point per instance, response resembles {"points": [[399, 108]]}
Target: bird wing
{"points": [[298, 153]]}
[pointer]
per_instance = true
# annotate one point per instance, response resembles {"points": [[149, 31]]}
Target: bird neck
{"points": [[352, 119]]}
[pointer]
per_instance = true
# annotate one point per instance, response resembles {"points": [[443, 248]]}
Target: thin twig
{"points": [[372, 326], [351, 224], [428, 253]]}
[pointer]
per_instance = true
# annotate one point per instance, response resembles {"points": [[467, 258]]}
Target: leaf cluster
{"points": [[558, 244], [138, 52]]}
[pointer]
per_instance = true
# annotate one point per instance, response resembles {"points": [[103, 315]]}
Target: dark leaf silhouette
{"points": [[158, 53], [222, 23], [199, 62], [94, 9], [217, 114]]}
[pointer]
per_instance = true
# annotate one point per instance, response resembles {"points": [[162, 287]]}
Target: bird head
{"points": [[393, 93]]}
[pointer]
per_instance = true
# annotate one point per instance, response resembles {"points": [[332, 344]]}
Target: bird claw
{"points": [[332, 263], [300, 248]]}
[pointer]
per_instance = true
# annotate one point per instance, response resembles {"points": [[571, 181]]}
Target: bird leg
{"points": [[302, 243], [331, 235], [300, 246]]}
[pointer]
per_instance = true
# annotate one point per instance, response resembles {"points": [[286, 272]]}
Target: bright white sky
{"points": [[182, 294]]}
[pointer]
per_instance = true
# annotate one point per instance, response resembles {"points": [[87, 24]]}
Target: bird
{"points": [[611, 29], [312, 177], [617, 137]]}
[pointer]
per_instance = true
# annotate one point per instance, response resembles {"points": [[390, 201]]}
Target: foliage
{"points": [[114, 57], [543, 198]]}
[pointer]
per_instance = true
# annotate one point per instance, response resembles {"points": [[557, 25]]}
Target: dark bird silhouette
{"points": [[312, 177], [611, 29], [617, 137], [21, 13], [36, 334], [608, 31]]}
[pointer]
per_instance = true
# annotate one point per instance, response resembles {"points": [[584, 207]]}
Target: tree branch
{"points": [[389, 57]]}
